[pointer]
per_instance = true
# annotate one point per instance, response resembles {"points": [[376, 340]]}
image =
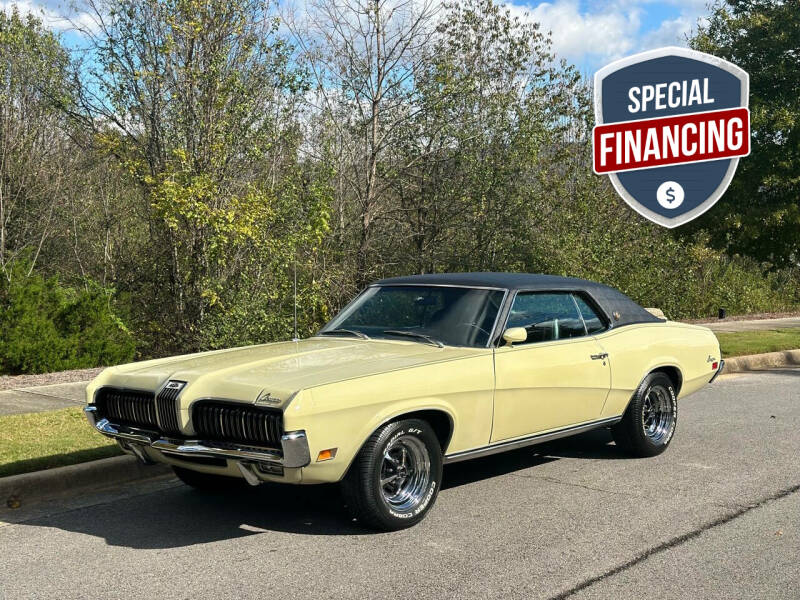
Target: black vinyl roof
{"points": [[618, 308]]}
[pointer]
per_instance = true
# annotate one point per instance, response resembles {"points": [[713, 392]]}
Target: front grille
{"points": [[243, 424], [127, 407], [167, 407]]}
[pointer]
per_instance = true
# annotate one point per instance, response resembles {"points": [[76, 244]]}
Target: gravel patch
{"points": [[9, 382]]}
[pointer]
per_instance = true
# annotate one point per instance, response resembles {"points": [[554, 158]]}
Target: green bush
{"points": [[46, 326]]}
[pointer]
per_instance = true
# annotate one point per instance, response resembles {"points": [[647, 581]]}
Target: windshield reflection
{"points": [[453, 316]]}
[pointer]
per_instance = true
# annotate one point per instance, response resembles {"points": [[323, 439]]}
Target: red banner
{"points": [[696, 137]]}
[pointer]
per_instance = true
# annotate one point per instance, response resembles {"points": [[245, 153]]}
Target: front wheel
{"points": [[394, 480], [647, 427]]}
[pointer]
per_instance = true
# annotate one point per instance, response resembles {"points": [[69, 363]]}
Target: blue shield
{"points": [[699, 184]]}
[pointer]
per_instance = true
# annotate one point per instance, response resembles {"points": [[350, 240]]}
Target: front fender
{"points": [[338, 431], [344, 415]]}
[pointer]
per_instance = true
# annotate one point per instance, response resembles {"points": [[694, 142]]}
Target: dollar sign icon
{"points": [[670, 194]]}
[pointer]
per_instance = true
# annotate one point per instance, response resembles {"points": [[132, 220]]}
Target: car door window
{"points": [[546, 316], [593, 322]]}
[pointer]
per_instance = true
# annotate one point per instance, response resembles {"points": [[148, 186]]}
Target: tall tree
{"points": [[364, 55], [760, 214], [197, 101], [35, 152], [495, 112]]}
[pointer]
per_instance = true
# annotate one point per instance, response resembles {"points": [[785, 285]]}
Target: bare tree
{"points": [[35, 152], [363, 55]]}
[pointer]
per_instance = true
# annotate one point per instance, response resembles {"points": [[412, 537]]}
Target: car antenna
{"points": [[294, 264]]}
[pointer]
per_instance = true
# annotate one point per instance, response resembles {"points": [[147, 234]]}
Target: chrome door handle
{"points": [[601, 356]]}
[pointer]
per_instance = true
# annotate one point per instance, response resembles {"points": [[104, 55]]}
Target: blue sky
{"points": [[588, 33], [591, 33]]}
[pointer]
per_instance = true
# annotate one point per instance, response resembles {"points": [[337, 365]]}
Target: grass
{"points": [[741, 343], [37, 441]]}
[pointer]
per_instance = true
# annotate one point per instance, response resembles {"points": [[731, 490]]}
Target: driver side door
{"points": [[558, 377]]}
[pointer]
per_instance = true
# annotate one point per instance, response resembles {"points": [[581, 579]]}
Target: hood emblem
{"points": [[264, 398]]}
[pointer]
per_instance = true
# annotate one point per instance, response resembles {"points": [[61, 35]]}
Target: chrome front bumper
{"points": [[294, 445]]}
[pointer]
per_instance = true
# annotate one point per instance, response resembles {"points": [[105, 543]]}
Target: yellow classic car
{"points": [[415, 373]]}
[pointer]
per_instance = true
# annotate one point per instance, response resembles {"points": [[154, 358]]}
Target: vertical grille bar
{"points": [[127, 407], [245, 423], [166, 406]]}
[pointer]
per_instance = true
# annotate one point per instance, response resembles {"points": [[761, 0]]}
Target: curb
{"points": [[76, 479], [756, 362]]}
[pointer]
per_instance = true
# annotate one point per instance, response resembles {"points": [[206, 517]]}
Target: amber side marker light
{"points": [[328, 454]]}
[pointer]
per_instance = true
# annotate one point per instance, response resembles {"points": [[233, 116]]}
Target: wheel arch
{"points": [[673, 372], [440, 420]]}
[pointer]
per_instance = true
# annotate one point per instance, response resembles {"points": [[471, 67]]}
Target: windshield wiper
{"points": [[415, 334], [353, 332]]}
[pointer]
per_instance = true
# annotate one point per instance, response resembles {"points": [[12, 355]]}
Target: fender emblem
{"points": [[710, 358], [264, 398]]}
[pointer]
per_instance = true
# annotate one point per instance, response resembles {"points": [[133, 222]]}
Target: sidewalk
{"points": [[44, 391], [42, 397], [753, 325]]}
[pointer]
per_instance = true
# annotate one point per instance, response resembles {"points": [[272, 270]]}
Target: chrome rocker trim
{"points": [[530, 440], [294, 444]]}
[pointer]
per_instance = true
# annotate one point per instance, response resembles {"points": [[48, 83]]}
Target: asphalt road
{"points": [[716, 516]]}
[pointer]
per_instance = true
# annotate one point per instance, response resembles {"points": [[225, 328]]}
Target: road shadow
{"points": [[180, 516]]}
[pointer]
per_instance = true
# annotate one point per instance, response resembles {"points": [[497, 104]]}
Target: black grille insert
{"points": [[134, 408], [167, 407], [230, 422]]}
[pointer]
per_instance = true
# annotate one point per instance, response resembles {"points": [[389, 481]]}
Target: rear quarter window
{"points": [[593, 321]]}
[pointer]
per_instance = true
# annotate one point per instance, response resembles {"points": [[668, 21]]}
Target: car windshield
{"points": [[453, 316]]}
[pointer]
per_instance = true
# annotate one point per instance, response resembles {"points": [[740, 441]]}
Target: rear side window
{"points": [[593, 322], [546, 316]]}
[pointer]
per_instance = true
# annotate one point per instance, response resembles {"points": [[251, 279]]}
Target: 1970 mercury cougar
{"points": [[416, 372]]}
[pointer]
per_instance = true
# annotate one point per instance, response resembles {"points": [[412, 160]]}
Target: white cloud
{"points": [[52, 14], [673, 32], [670, 33], [594, 32], [608, 34]]}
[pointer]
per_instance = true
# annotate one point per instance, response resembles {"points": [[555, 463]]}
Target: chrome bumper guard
{"points": [[719, 370], [294, 445]]}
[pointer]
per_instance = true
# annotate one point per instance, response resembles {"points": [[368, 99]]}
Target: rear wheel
{"points": [[208, 482], [396, 476], [648, 425]]}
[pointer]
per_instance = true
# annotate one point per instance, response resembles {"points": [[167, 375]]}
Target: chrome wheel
{"points": [[658, 414], [405, 473]]}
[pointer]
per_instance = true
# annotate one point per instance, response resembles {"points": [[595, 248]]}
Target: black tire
{"points": [[648, 425], [407, 455], [208, 482]]}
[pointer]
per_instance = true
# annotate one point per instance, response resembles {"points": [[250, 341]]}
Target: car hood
{"points": [[280, 369]]}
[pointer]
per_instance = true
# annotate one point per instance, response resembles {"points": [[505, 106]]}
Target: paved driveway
{"points": [[42, 397], [754, 325], [717, 516]]}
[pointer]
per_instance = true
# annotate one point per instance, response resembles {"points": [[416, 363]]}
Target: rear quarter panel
{"points": [[636, 350]]}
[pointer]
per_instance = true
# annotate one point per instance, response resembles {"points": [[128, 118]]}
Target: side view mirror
{"points": [[515, 334]]}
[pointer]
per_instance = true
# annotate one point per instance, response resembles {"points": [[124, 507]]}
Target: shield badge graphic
{"points": [[671, 126]]}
